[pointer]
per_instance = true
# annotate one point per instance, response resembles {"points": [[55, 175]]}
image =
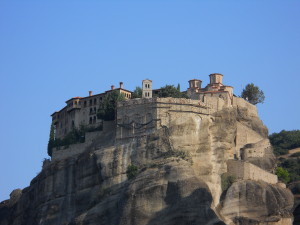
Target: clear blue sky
{"points": [[53, 50]]}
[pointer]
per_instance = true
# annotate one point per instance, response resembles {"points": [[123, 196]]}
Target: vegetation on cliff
{"points": [[137, 93], [171, 91], [51, 140], [74, 137], [132, 171], [107, 109], [283, 174], [253, 94], [282, 142]]}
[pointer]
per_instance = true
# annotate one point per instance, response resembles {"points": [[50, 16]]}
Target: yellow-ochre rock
{"points": [[189, 163]]}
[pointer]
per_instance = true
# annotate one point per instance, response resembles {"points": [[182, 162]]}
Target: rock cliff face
{"points": [[181, 167]]}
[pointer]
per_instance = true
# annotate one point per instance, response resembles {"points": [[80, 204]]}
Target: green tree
{"points": [[283, 174], [284, 141], [178, 87], [226, 181], [171, 91], [137, 93], [253, 94], [132, 171], [51, 141], [107, 109]]}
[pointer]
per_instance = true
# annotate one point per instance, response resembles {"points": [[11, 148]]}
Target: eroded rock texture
{"points": [[178, 181]]}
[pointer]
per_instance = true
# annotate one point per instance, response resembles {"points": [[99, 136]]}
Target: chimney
{"points": [[121, 84], [90, 93], [112, 87]]}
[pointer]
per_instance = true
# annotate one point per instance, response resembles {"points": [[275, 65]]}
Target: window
{"points": [[95, 101], [91, 101], [91, 120], [84, 104]]}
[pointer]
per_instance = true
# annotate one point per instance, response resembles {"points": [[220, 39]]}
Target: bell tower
{"points": [[194, 84], [147, 88], [216, 78]]}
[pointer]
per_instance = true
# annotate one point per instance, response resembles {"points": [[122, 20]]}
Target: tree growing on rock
{"points": [[137, 93], [171, 91], [51, 140], [253, 94], [283, 174], [107, 109]]}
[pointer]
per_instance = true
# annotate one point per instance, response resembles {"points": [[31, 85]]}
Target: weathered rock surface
{"points": [[257, 201], [178, 181]]}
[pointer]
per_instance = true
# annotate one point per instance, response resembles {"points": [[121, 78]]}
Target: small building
{"points": [[214, 89]]}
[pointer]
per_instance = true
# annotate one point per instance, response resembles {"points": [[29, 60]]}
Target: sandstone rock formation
{"points": [[180, 164]]}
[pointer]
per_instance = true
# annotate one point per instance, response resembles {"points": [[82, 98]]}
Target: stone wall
{"points": [[142, 116], [244, 136], [75, 149], [247, 171], [255, 150], [216, 101], [242, 103]]}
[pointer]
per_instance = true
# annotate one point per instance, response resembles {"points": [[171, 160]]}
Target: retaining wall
{"points": [[247, 171], [63, 152]]}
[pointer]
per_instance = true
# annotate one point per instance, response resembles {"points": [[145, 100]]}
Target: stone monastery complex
{"points": [[83, 110], [140, 117]]}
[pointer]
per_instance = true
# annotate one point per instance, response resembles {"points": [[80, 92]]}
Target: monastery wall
{"points": [[255, 150], [245, 135], [247, 171], [63, 152], [216, 100], [141, 116], [242, 103]]}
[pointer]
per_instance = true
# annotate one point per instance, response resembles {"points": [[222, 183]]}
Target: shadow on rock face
{"points": [[191, 210], [296, 215]]}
